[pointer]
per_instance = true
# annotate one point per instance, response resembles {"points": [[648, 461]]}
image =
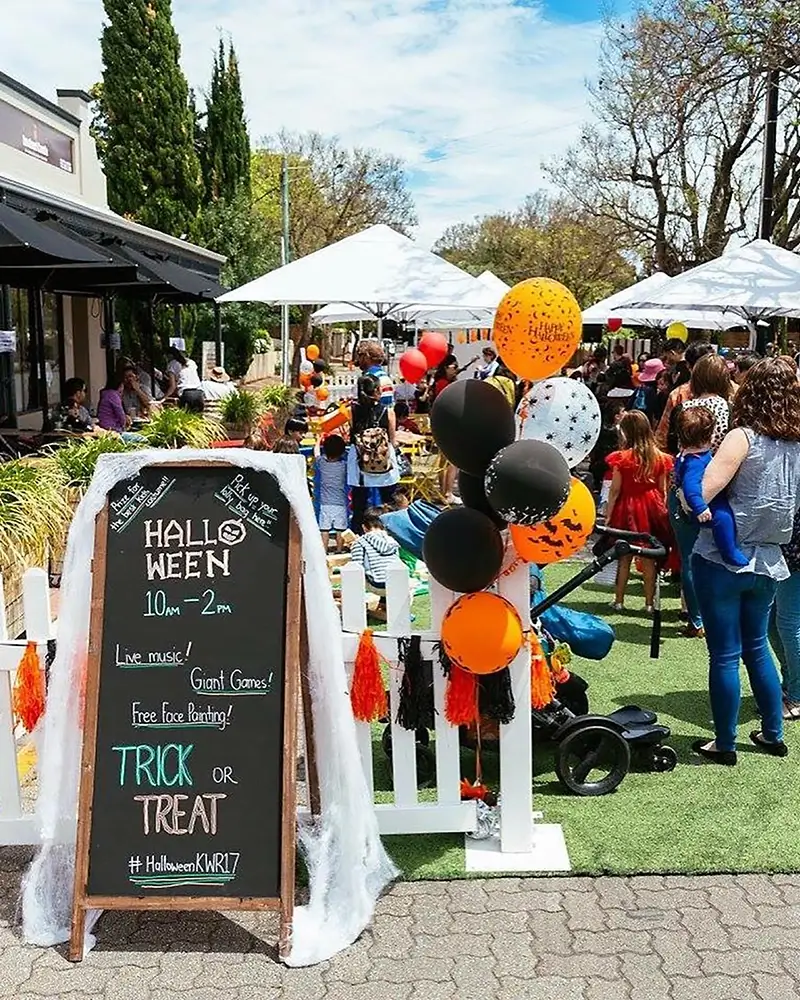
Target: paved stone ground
{"points": [[653, 938]]}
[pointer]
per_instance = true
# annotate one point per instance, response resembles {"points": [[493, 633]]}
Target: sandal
{"points": [[693, 632], [791, 711], [776, 749], [617, 606], [725, 757]]}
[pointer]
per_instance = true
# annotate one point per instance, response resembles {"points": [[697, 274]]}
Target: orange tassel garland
{"points": [[542, 688], [460, 697], [29, 689], [367, 693]]}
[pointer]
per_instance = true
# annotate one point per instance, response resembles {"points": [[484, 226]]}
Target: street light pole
{"points": [[285, 375]]}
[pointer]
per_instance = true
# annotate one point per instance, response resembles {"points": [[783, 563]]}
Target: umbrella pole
{"points": [[150, 344], [8, 400], [38, 327], [218, 334]]}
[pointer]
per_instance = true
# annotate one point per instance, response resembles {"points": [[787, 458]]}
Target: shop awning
{"points": [[26, 243]]}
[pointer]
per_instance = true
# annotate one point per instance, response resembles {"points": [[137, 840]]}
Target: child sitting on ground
{"points": [[695, 430], [374, 550], [330, 488]]}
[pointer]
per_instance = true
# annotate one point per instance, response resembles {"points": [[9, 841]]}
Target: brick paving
{"points": [[647, 938]]}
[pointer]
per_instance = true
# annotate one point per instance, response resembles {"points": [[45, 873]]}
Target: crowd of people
{"points": [[131, 395]]}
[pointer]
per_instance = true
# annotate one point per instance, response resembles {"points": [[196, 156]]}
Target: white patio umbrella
{"points": [[378, 271], [748, 283], [619, 306], [423, 317]]}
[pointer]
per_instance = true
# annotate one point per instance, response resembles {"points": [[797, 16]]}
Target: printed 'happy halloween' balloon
{"points": [[564, 413], [562, 535], [537, 327]]}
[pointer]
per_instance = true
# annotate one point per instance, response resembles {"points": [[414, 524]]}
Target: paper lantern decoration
{"points": [[461, 338], [472, 493], [564, 413], [322, 393], [306, 367], [482, 633], [312, 352], [537, 327], [560, 536], [463, 550], [471, 421], [527, 482], [435, 347], [614, 324], [413, 365], [677, 331]]}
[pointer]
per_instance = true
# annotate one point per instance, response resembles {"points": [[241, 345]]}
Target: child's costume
{"points": [[689, 471]]}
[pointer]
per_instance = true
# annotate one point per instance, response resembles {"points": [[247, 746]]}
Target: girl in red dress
{"points": [[637, 501]]}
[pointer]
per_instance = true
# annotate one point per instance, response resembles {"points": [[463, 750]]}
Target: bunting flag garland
{"points": [[415, 710], [461, 694]]}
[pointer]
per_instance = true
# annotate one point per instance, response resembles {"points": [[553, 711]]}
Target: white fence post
{"points": [[10, 801], [516, 738], [354, 619], [404, 750], [448, 751]]}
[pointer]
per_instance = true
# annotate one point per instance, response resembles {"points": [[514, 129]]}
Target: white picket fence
{"points": [[407, 814], [342, 386], [16, 825]]}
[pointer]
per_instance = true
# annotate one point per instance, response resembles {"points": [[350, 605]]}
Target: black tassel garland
{"points": [[495, 698], [415, 710]]}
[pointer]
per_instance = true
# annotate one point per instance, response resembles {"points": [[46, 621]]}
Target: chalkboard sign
{"points": [[187, 792]]}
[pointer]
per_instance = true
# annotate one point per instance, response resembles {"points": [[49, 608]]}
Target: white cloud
{"points": [[473, 94]]}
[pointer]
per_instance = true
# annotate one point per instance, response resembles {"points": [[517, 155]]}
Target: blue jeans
{"points": [[784, 634], [735, 608], [686, 533]]}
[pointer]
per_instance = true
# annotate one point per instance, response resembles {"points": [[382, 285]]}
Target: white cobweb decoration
{"points": [[347, 865]]}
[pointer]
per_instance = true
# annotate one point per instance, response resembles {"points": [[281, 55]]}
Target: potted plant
{"points": [[240, 412]]}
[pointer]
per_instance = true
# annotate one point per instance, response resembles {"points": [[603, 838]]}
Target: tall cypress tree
{"points": [[226, 144], [150, 159]]}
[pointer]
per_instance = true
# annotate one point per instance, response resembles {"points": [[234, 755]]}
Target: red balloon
{"points": [[413, 365], [614, 324], [435, 347]]}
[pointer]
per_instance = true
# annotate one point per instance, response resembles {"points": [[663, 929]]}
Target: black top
{"points": [[188, 766]]}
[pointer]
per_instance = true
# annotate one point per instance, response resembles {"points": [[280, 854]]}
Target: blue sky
{"points": [[472, 94]]}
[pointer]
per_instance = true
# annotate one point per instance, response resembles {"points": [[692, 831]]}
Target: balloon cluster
{"points": [[416, 361], [311, 367], [514, 470]]}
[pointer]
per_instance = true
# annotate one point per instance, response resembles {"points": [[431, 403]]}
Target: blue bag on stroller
{"points": [[587, 635]]}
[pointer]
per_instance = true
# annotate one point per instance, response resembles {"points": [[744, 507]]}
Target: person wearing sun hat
{"points": [[645, 396], [218, 384]]}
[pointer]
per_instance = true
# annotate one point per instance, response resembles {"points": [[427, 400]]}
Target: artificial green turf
{"points": [[698, 818]]}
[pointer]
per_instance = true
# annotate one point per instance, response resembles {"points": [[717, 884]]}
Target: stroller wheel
{"points": [[386, 742], [592, 759], [663, 759], [426, 758]]}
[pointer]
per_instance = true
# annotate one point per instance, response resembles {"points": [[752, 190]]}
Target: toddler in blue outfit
{"points": [[695, 428]]}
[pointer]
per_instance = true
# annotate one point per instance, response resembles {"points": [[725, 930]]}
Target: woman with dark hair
{"points": [[445, 374], [183, 381], [709, 387], [371, 459], [758, 464]]}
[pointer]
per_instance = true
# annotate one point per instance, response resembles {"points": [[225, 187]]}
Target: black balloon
{"points": [[463, 550], [527, 482], [471, 421], [472, 493]]}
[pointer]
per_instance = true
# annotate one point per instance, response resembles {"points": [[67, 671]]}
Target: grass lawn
{"points": [[698, 818]]}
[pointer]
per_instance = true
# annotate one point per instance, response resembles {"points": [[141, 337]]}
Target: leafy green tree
{"points": [[145, 117], [251, 243], [225, 147], [545, 236]]}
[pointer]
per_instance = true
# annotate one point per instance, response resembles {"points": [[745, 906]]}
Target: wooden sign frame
{"points": [[295, 679]]}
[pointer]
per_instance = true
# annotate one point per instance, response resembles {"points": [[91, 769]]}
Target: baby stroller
{"points": [[593, 753]]}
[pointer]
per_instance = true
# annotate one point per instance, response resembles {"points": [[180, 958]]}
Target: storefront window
{"points": [[26, 366]]}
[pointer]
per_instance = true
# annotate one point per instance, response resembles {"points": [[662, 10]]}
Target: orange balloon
{"points": [[537, 327], [560, 536], [322, 394], [312, 352], [482, 632], [305, 381]]}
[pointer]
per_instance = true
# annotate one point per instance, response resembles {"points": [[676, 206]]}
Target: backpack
{"points": [[372, 448], [639, 401]]}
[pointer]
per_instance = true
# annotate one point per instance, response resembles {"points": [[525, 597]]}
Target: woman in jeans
{"points": [[759, 464], [710, 386], [784, 632]]}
